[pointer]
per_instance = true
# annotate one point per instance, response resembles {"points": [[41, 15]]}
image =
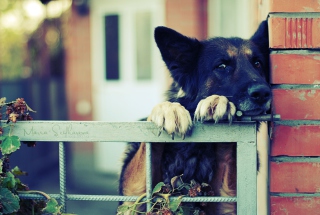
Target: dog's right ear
{"points": [[261, 36], [178, 51]]}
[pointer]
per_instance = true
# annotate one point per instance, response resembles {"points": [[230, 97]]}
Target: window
{"points": [[143, 45], [112, 47]]}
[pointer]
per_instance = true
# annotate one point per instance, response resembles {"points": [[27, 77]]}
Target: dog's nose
{"points": [[259, 92]]}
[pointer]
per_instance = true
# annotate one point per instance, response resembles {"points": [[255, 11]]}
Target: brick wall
{"points": [[78, 70], [78, 66], [294, 30]]}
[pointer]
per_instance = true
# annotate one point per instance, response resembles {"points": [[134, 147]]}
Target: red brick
{"points": [[295, 68], [297, 104], [294, 6], [78, 69], [302, 140], [294, 205], [294, 177], [294, 31]]}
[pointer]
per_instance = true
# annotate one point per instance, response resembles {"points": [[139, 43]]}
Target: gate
{"points": [[243, 133]]}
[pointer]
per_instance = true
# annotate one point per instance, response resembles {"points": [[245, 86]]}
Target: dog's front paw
{"points": [[214, 108], [171, 117]]}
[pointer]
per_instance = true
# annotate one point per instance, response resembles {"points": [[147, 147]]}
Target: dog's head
{"points": [[232, 67]]}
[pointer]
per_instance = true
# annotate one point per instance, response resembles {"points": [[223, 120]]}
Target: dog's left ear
{"points": [[261, 37]]}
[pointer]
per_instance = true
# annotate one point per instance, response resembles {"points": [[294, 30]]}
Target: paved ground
{"points": [[84, 180]]}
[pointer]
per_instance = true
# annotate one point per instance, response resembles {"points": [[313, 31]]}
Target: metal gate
{"points": [[243, 133]]}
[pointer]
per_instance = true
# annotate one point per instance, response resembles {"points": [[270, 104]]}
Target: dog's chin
{"points": [[251, 109], [254, 112]]}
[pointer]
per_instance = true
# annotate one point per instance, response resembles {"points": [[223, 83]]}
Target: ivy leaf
{"points": [[1, 164], [29, 109], [181, 212], [122, 209], [176, 181], [10, 144], [9, 201], [17, 172], [185, 210], [157, 188], [52, 207], [2, 101], [174, 204], [9, 181]]}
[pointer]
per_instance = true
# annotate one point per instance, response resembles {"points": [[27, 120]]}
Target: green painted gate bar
{"points": [[243, 133]]}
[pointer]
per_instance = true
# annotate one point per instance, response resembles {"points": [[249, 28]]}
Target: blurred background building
{"points": [[97, 60]]}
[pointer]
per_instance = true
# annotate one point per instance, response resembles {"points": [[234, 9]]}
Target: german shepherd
{"points": [[212, 79]]}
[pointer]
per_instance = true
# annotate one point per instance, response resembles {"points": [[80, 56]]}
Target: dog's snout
{"points": [[259, 92]]}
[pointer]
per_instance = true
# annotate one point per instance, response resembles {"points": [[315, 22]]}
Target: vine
{"points": [[161, 204], [10, 184]]}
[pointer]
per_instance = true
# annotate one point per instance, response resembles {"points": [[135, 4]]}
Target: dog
{"points": [[212, 79]]}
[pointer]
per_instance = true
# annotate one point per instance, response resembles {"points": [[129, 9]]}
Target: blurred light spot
{"points": [[26, 72], [34, 9], [11, 20], [52, 37], [56, 8], [83, 107]]}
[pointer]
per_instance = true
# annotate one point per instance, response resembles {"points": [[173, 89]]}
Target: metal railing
{"points": [[243, 133]]}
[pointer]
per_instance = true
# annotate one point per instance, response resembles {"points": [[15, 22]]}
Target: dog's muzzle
{"points": [[259, 93]]}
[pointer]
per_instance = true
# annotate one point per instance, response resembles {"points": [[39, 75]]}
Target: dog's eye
{"points": [[222, 66], [257, 64]]}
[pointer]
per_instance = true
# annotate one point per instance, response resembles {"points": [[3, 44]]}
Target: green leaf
{"points": [[10, 144], [1, 164], [180, 211], [174, 204], [185, 210], [2, 101], [9, 181], [9, 201], [175, 181], [17, 172], [52, 207], [122, 209], [157, 188]]}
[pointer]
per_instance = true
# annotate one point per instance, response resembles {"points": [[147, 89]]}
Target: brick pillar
{"points": [[294, 31], [78, 66]]}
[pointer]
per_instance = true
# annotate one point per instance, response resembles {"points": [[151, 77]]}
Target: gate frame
{"points": [[243, 133]]}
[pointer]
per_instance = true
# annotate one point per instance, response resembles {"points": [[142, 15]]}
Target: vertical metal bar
{"points": [[148, 174], [247, 174], [62, 177]]}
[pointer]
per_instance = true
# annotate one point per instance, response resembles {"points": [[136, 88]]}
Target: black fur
{"points": [[191, 62], [231, 67]]}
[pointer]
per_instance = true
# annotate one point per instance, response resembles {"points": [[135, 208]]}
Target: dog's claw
{"points": [[171, 117], [215, 108], [160, 131]]}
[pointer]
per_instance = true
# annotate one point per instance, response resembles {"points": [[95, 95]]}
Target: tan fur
{"points": [[209, 84], [225, 181], [136, 186], [246, 50], [232, 51]]}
